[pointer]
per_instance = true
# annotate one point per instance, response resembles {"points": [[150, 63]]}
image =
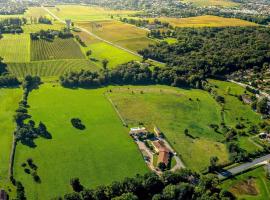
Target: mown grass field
{"points": [[171, 110], [250, 185], [50, 68], [9, 99], [15, 48], [125, 35], [114, 55], [86, 13], [222, 3], [205, 21], [100, 154], [57, 49], [36, 12]]}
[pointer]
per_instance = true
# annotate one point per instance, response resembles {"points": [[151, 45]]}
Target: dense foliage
{"points": [[180, 185], [132, 73], [51, 34], [214, 51], [12, 25]]}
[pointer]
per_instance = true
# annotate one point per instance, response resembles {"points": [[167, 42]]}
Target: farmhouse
{"points": [[3, 195], [138, 131], [163, 152]]}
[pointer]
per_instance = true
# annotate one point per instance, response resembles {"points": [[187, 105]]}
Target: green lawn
{"points": [[172, 111], [258, 187], [15, 48], [100, 154], [115, 55], [9, 99]]}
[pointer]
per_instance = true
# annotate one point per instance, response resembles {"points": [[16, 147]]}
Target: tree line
{"points": [[51, 34], [12, 25], [181, 185], [6, 79]]}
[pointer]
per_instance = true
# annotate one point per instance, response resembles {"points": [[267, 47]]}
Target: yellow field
{"points": [[32, 28], [125, 35], [221, 3], [86, 13], [36, 12], [206, 21]]}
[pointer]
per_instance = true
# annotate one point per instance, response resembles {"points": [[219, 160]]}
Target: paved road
{"points": [[97, 37], [243, 167]]}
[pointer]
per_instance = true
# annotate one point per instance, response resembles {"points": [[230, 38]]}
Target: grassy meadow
{"points": [[205, 21], [100, 154], [220, 3], [250, 185], [171, 110], [15, 48], [50, 68], [125, 35], [87, 13], [33, 28], [57, 49], [9, 99]]}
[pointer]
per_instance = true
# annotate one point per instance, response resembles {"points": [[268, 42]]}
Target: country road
{"points": [[241, 168], [97, 37]]}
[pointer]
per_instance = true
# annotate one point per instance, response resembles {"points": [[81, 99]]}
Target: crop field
{"points": [[206, 21], [50, 68], [33, 28], [15, 48], [250, 185], [222, 3], [171, 110], [114, 55], [87, 13], [100, 154], [58, 49], [36, 12], [125, 35], [9, 99]]}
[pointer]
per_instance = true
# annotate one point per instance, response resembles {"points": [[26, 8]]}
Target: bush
{"points": [[77, 123]]}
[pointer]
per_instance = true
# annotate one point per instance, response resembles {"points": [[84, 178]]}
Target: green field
{"points": [[171, 110], [50, 68], [114, 55], [9, 99], [221, 3], [100, 154], [15, 48], [250, 185], [87, 13], [58, 49], [33, 28], [125, 35]]}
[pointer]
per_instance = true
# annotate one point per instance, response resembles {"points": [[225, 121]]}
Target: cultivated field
{"points": [[251, 185], [36, 12], [53, 68], [86, 13], [9, 99], [58, 49], [100, 154], [33, 28], [125, 35], [206, 21], [171, 110], [222, 3], [114, 55], [15, 48]]}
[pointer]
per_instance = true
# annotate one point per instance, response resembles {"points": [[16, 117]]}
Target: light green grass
{"points": [[15, 48], [50, 68], [219, 3], [102, 153], [171, 110], [33, 28], [115, 55], [261, 184], [9, 99], [57, 49]]}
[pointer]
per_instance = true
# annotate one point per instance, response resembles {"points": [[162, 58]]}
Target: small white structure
{"points": [[138, 131], [68, 23]]}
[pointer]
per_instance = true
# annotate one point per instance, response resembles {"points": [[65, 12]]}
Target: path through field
{"points": [[95, 36]]}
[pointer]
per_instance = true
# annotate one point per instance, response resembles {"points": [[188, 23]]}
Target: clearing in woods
{"points": [[18, 53], [56, 49], [105, 146]]}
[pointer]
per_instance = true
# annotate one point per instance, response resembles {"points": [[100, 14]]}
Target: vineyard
{"points": [[50, 68], [58, 49], [21, 52]]}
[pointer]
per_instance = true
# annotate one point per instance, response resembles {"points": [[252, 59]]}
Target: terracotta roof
{"points": [[160, 146], [163, 157]]}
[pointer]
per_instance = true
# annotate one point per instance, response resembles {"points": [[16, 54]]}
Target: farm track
{"points": [[97, 37]]}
